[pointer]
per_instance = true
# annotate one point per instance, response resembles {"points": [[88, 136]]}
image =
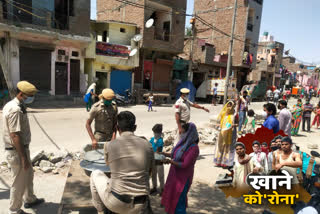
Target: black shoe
{"points": [[23, 212], [33, 204], [154, 190]]}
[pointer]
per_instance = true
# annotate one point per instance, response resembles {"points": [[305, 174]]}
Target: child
{"points": [[157, 145], [150, 99], [316, 119], [250, 122]]}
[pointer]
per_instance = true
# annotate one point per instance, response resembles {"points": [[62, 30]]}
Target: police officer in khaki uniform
{"points": [[104, 113], [17, 137], [182, 108]]}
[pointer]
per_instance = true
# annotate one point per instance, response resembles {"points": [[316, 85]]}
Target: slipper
{"points": [[33, 204]]}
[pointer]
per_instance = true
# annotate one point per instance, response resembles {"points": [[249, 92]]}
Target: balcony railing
{"points": [[250, 27]]}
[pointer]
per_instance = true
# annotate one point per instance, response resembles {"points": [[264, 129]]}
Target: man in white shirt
{"points": [[285, 118], [276, 96], [269, 95], [259, 156]]}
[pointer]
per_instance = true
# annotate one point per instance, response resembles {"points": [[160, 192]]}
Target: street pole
{"points": [[229, 65], [193, 25]]}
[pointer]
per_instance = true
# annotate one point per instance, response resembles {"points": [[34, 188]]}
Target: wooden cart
{"points": [[159, 98]]}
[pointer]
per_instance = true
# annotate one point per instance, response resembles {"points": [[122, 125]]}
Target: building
{"points": [[269, 61], [299, 74], [219, 13], [108, 60], [161, 41], [44, 43]]}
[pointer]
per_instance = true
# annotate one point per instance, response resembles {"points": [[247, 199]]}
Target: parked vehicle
{"points": [[256, 91], [127, 99], [206, 89]]}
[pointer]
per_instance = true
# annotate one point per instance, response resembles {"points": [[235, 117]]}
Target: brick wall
{"points": [[222, 19], [108, 10], [292, 67]]}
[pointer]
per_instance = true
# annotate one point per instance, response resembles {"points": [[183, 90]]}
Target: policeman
{"points": [[104, 113], [182, 108], [17, 137]]}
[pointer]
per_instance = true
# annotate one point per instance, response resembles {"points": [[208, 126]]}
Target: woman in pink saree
{"points": [[179, 180]]}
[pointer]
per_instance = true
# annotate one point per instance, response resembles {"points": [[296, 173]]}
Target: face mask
{"points": [[157, 135], [274, 148], [264, 114], [107, 102], [29, 100]]}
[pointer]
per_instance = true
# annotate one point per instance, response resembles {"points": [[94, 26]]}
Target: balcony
{"points": [[250, 27], [162, 35]]}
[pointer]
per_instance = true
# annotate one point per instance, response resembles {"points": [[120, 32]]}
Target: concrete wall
{"points": [[117, 37]]}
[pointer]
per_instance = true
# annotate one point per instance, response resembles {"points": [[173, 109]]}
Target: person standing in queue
{"points": [[104, 113], [16, 138], [182, 109]]}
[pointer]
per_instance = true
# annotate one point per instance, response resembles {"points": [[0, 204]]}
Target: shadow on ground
{"points": [[203, 199]]}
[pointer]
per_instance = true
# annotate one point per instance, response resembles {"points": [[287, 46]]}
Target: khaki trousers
{"points": [[158, 170], [22, 181], [103, 198]]}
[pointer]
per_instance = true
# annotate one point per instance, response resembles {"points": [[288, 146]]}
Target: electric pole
{"points": [[193, 28], [229, 65]]}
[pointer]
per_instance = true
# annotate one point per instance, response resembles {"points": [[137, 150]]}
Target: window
{"points": [[75, 53], [122, 30], [61, 52], [203, 48]]}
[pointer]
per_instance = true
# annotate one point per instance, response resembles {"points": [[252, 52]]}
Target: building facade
{"points": [[269, 61], [44, 42], [161, 41], [219, 13], [108, 60]]}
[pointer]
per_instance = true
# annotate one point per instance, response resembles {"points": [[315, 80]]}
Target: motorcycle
{"points": [[127, 99]]}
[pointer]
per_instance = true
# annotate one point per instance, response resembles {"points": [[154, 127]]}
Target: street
{"points": [[65, 128]]}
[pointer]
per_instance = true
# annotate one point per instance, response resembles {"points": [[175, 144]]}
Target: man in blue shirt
{"points": [[215, 94], [157, 145], [271, 122]]}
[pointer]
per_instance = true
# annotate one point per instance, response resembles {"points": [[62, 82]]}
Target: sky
{"points": [[296, 23]]}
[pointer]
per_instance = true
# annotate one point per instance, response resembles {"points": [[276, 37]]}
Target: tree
{"points": [[188, 31]]}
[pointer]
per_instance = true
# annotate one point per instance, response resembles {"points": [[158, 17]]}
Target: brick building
{"points": [[160, 43], [219, 13], [44, 43], [269, 61]]}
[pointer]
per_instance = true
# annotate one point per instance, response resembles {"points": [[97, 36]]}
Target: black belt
{"points": [[128, 199], [12, 148]]}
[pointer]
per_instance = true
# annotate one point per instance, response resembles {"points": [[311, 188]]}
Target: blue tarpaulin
{"points": [[189, 85]]}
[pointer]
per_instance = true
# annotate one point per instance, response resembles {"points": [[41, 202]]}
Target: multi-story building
{"points": [[44, 42], [219, 14], [108, 60], [269, 61], [161, 41]]}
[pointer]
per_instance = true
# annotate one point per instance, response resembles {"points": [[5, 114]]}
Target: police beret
{"points": [[185, 91], [108, 94], [27, 88]]}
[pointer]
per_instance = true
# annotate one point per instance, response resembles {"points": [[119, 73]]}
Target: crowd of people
{"points": [[134, 160]]}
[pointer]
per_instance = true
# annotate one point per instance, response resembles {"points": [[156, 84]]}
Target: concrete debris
{"points": [[55, 171], [45, 163], [37, 156], [169, 139], [313, 146], [60, 164], [46, 169], [55, 158]]}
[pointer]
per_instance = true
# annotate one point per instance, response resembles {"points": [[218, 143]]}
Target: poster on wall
{"points": [[107, 49]]}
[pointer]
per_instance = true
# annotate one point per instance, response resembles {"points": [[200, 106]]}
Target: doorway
{"points": [[74, 76], [61, 77], [102, 81]]}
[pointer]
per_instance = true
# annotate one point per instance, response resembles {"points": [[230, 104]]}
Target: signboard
{"points": [[107, 49]]}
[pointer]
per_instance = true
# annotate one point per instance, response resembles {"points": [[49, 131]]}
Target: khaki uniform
{"points": [[130, 159], [183, 108], [105, 118], [15, 120]]}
